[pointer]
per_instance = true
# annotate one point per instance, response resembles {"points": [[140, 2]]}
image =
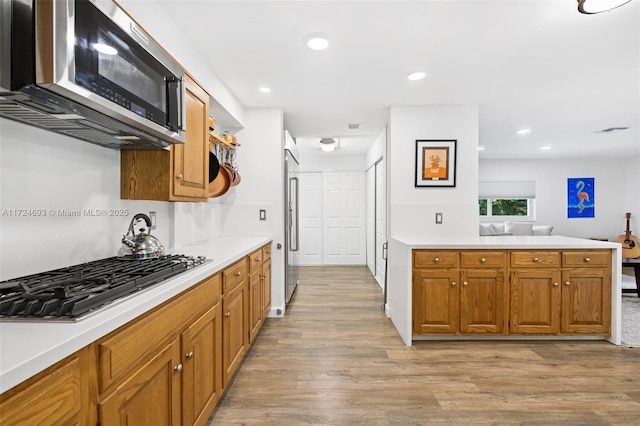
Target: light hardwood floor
{"points": [[336, 359]]}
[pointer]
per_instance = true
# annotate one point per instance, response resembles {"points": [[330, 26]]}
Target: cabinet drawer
{"points": [[587, 258], [266, 252], [482, 259], [435, 259], [134, 343], [255, 260], [234, 275], [535, 259]]}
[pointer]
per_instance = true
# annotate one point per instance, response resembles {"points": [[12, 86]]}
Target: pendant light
{"points": [[591, 7]]}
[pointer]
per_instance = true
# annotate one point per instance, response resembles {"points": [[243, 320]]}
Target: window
{"points": [[513, 201], [506, 208]]}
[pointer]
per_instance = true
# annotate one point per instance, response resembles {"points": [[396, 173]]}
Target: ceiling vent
{"points": [[611, 129], [354, 126]]}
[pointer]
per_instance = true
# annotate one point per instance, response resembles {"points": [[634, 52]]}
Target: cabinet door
{"points": [[202, 361], [191, 159], [255, 303], [235, 330], [586, 301], [482, 301], [266, 288], [435, 301], [150, 396], [59, 395], [535, 301]]}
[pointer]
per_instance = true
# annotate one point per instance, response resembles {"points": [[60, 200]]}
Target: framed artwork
{"points": [[580, 197], [436, 163]]}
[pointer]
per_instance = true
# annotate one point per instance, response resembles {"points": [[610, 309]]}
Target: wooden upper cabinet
{"points": [[180, 173]]}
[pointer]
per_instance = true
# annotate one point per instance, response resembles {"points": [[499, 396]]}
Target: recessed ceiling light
{"points": [[317, 41], [545, 148], [523, 131], [481, 148], [415, 76], [265, 90]]}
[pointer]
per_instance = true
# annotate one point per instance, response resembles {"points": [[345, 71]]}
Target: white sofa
{"points": [[513, 228]]}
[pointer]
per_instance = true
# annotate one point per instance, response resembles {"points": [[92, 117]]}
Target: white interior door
{"points": [[310, 196], [371, 219], [381, 220], [343, 218]]}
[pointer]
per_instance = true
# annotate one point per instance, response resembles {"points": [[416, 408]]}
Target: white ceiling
{"points": [[527, 63]]}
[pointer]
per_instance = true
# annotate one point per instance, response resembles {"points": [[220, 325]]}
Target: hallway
{"points": [[336, 359]]}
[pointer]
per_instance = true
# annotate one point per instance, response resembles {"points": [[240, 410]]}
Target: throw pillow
{"points": [[486, 229], [498, 227], [541, 229], [518, 228]]}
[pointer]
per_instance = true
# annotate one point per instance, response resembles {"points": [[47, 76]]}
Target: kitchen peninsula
{"points": [[504, 287]]}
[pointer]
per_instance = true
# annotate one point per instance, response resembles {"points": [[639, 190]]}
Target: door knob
{"points": [[227, 315], [567, 283], [453, 284], [189, 355], [465, 284], [178, 368], [179, 176]]}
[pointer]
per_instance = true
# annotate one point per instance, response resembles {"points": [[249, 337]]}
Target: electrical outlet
{"points": [[438, 218], [152, 216], [263, 214]]}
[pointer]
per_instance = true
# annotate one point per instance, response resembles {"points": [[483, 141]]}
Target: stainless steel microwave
{"points": [[86, 69]]}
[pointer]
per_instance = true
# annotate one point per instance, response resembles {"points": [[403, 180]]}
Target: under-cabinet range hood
{"points": [[85, 69]]}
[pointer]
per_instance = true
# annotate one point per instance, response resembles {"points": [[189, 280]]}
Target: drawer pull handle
{"points": [[536, 260], [189, 355], [237, 274], [178, 368], [453, 284], [567, 283], [227, 315], [257, 259], [587, 259], [483, 260], [436, 260], [555, 284], [464, 284]]}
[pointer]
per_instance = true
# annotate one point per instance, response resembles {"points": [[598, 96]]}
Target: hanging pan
{"points": [[220, 185]]}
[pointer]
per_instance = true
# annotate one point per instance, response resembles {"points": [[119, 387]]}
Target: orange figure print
{"points": [[435, 162]]}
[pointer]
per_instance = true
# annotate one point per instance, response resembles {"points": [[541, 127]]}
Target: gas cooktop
{"points": [[71, 293]]}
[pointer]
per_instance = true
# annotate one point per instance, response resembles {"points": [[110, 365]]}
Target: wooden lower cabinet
{"points": [[542, 292], [586, 301], [201, 347], [235, 330], [535, 301], [435, 301], [255, 303], [59, 395], [149, 396], [266, 288], [459, 300]]}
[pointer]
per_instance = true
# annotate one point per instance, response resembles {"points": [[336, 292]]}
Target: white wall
{"points": [[260, 161], [331, 162], [48, 172], [412, 210], [616, 191]]}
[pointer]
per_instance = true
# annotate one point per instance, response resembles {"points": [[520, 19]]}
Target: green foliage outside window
{"points": [[483, 206], [503, 207], [508, 207]]}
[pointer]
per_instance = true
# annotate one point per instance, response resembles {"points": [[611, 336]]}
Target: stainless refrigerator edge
{"points": [[292, 237]]}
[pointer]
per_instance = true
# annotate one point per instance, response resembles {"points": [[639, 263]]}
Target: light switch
{"points": [[263, 214], [152, 216], [438, 218]]}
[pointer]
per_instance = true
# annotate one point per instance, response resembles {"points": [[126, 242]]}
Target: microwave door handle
{"points": [[176, 96]]}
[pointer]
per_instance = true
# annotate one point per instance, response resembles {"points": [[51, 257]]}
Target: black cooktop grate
{"points": [[73, 292]]}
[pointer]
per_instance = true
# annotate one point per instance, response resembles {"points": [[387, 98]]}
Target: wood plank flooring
{"points": [[336, 359]]}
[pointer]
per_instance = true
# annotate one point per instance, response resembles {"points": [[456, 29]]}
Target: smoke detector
{"points": [[327, 144]]}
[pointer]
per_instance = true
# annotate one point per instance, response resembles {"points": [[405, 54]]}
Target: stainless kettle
{"points": [[142, 245]]}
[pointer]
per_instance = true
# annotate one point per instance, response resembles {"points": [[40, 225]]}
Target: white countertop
{"points": [[27, 348], [504, 242]]}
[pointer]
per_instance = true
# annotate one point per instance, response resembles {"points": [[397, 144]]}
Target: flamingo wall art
{"points": [[580, 197]]}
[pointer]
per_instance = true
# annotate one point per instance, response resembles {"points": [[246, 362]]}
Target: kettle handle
{"points": [[146, 219]]}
